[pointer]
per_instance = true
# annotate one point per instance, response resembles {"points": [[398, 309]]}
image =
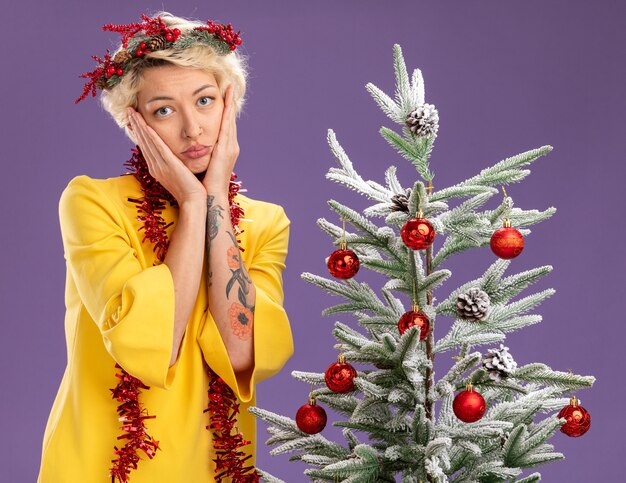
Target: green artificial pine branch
{"points": [[404, 93], [458, 192], [342, 403], [530, 479], [392, 180], [267, 477], [279, 435], [386, 103], [508, 170], [352, 338], [540, 373], [308, 377]]}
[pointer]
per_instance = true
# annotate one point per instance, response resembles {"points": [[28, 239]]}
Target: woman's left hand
{"points": [[225, 152]]}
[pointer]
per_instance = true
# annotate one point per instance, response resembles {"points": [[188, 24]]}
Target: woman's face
{"points": [[184, 106]]}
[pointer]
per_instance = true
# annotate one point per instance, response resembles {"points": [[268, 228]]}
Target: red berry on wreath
{"points": [[469, 406], [340, 375], [343, 263], [578, 419], [418, 233], [507, 242], [414, 318], [311, 418]]}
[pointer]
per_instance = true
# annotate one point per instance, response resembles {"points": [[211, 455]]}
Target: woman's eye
{"points": [[205, 101], [162, 111]]}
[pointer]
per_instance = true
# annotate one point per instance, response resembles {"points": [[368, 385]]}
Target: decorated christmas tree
{"points": [[486, 420]]}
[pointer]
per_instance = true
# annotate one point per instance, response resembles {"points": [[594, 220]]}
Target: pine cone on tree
{"points": [[400, 202], [423, 121], [473, 305], [499, 363], [504, 437]]}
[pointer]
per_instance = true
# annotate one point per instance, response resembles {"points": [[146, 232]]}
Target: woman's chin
{"points": [[200, 175], [197, 166]]}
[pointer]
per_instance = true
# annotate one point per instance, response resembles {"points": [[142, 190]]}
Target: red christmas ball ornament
{"points": [[418, 233], [469, 406], [578, 419], [414, 317], [507, 242], [343, 263], [340, 375], [311, 418]]}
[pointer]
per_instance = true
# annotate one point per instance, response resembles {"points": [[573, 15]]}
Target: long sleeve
{"points": [[132, 306], [273, 343]]}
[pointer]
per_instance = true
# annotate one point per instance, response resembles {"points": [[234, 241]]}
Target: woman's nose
{"points": [[191, 128]]}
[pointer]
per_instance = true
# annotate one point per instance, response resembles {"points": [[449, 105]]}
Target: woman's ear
{"points": [[129, 125], [130, 134], [128, 128], [224, 91]]}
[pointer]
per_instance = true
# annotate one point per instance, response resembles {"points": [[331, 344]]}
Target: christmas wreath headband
{"points": [[139, 39]]}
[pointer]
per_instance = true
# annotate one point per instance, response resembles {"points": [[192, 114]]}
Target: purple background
{"points": [[505, 76]]}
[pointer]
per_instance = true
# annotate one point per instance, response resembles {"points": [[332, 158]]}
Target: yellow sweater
{"points": [[120, 308]]}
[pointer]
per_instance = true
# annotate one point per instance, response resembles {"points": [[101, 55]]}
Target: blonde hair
{"points": [[228, 69]]}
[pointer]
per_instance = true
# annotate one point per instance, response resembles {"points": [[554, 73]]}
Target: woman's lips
{"points": [[197, 152]]}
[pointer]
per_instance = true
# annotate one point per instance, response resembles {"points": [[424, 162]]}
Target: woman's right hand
{"points": [[163, 164]]}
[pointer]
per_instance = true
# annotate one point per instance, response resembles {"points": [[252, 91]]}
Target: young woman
{"points": [[174, 291]]}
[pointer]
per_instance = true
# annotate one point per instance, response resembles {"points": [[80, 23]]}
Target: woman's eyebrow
{"points": [[202, 88], [165, 98]]}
